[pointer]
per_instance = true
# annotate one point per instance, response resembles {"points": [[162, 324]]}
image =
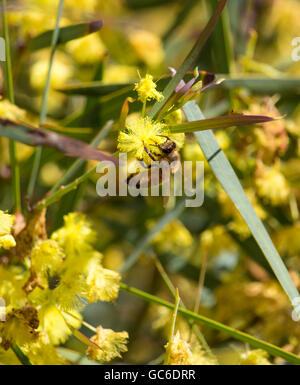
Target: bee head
{"points": [[167, 147]]}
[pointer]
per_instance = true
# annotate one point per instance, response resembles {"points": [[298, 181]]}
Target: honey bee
{"points": [[167, 153]]}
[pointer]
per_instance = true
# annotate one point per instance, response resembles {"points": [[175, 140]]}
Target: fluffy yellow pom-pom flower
{"points": [[20, 327], [147, 46], [146, 89], [76, 236], [175, 238], [42, 352], [141, 135], [54, 324], [87, 50], [255, 357], [272, 186], [46, 257], [180, 353], [111, 343], [103, 284], [6, 239]]}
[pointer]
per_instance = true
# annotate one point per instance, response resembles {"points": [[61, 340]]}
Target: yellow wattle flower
{"points": [[255, 357], [111, 343], [87, 50], [62, 70], [11, 111], [272, 186], [174, 238], [7, 241], [103, 284], [47, 257], [146, 89], [141, 135], [20, 327], [53, 324], [76, 236], [42, 352], [147, 46], [180, 353]]}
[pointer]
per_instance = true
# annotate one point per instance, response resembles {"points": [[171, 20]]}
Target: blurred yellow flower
{"points": [[6, 239], [174, 238], [11, 111], [119, 74], [50, 174], [272, 186], [87, 50], [111, 344], [287, 241], [216, 239], [147, 46], [12, 280], [62, 70], [180, 353], [255, 357]]}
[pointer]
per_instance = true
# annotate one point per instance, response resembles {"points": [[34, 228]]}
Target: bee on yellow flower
{"points": [[145, 139], [148, 140], [141, 136], [147, 47]]}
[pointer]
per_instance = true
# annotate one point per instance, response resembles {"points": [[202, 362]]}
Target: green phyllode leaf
{"points": [[228, 179], [65, 34]]}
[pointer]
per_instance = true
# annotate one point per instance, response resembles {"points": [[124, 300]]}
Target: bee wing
{"points": [[145, 179]]}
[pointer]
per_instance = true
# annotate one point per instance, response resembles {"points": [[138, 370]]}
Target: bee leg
{"points": [[149, 153], [144, 164], [130, 177]]}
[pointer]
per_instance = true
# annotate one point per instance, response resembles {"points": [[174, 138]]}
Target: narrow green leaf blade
{"points": [[253, 83], [180, 18], [262, 85], [72, 171], [65, 34], [190, 59], [95, 88], [219, 122], [241, 336], [21, 356], [83, 338], [172, 329], [231, 184], [222, 42], [34, 136]]}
